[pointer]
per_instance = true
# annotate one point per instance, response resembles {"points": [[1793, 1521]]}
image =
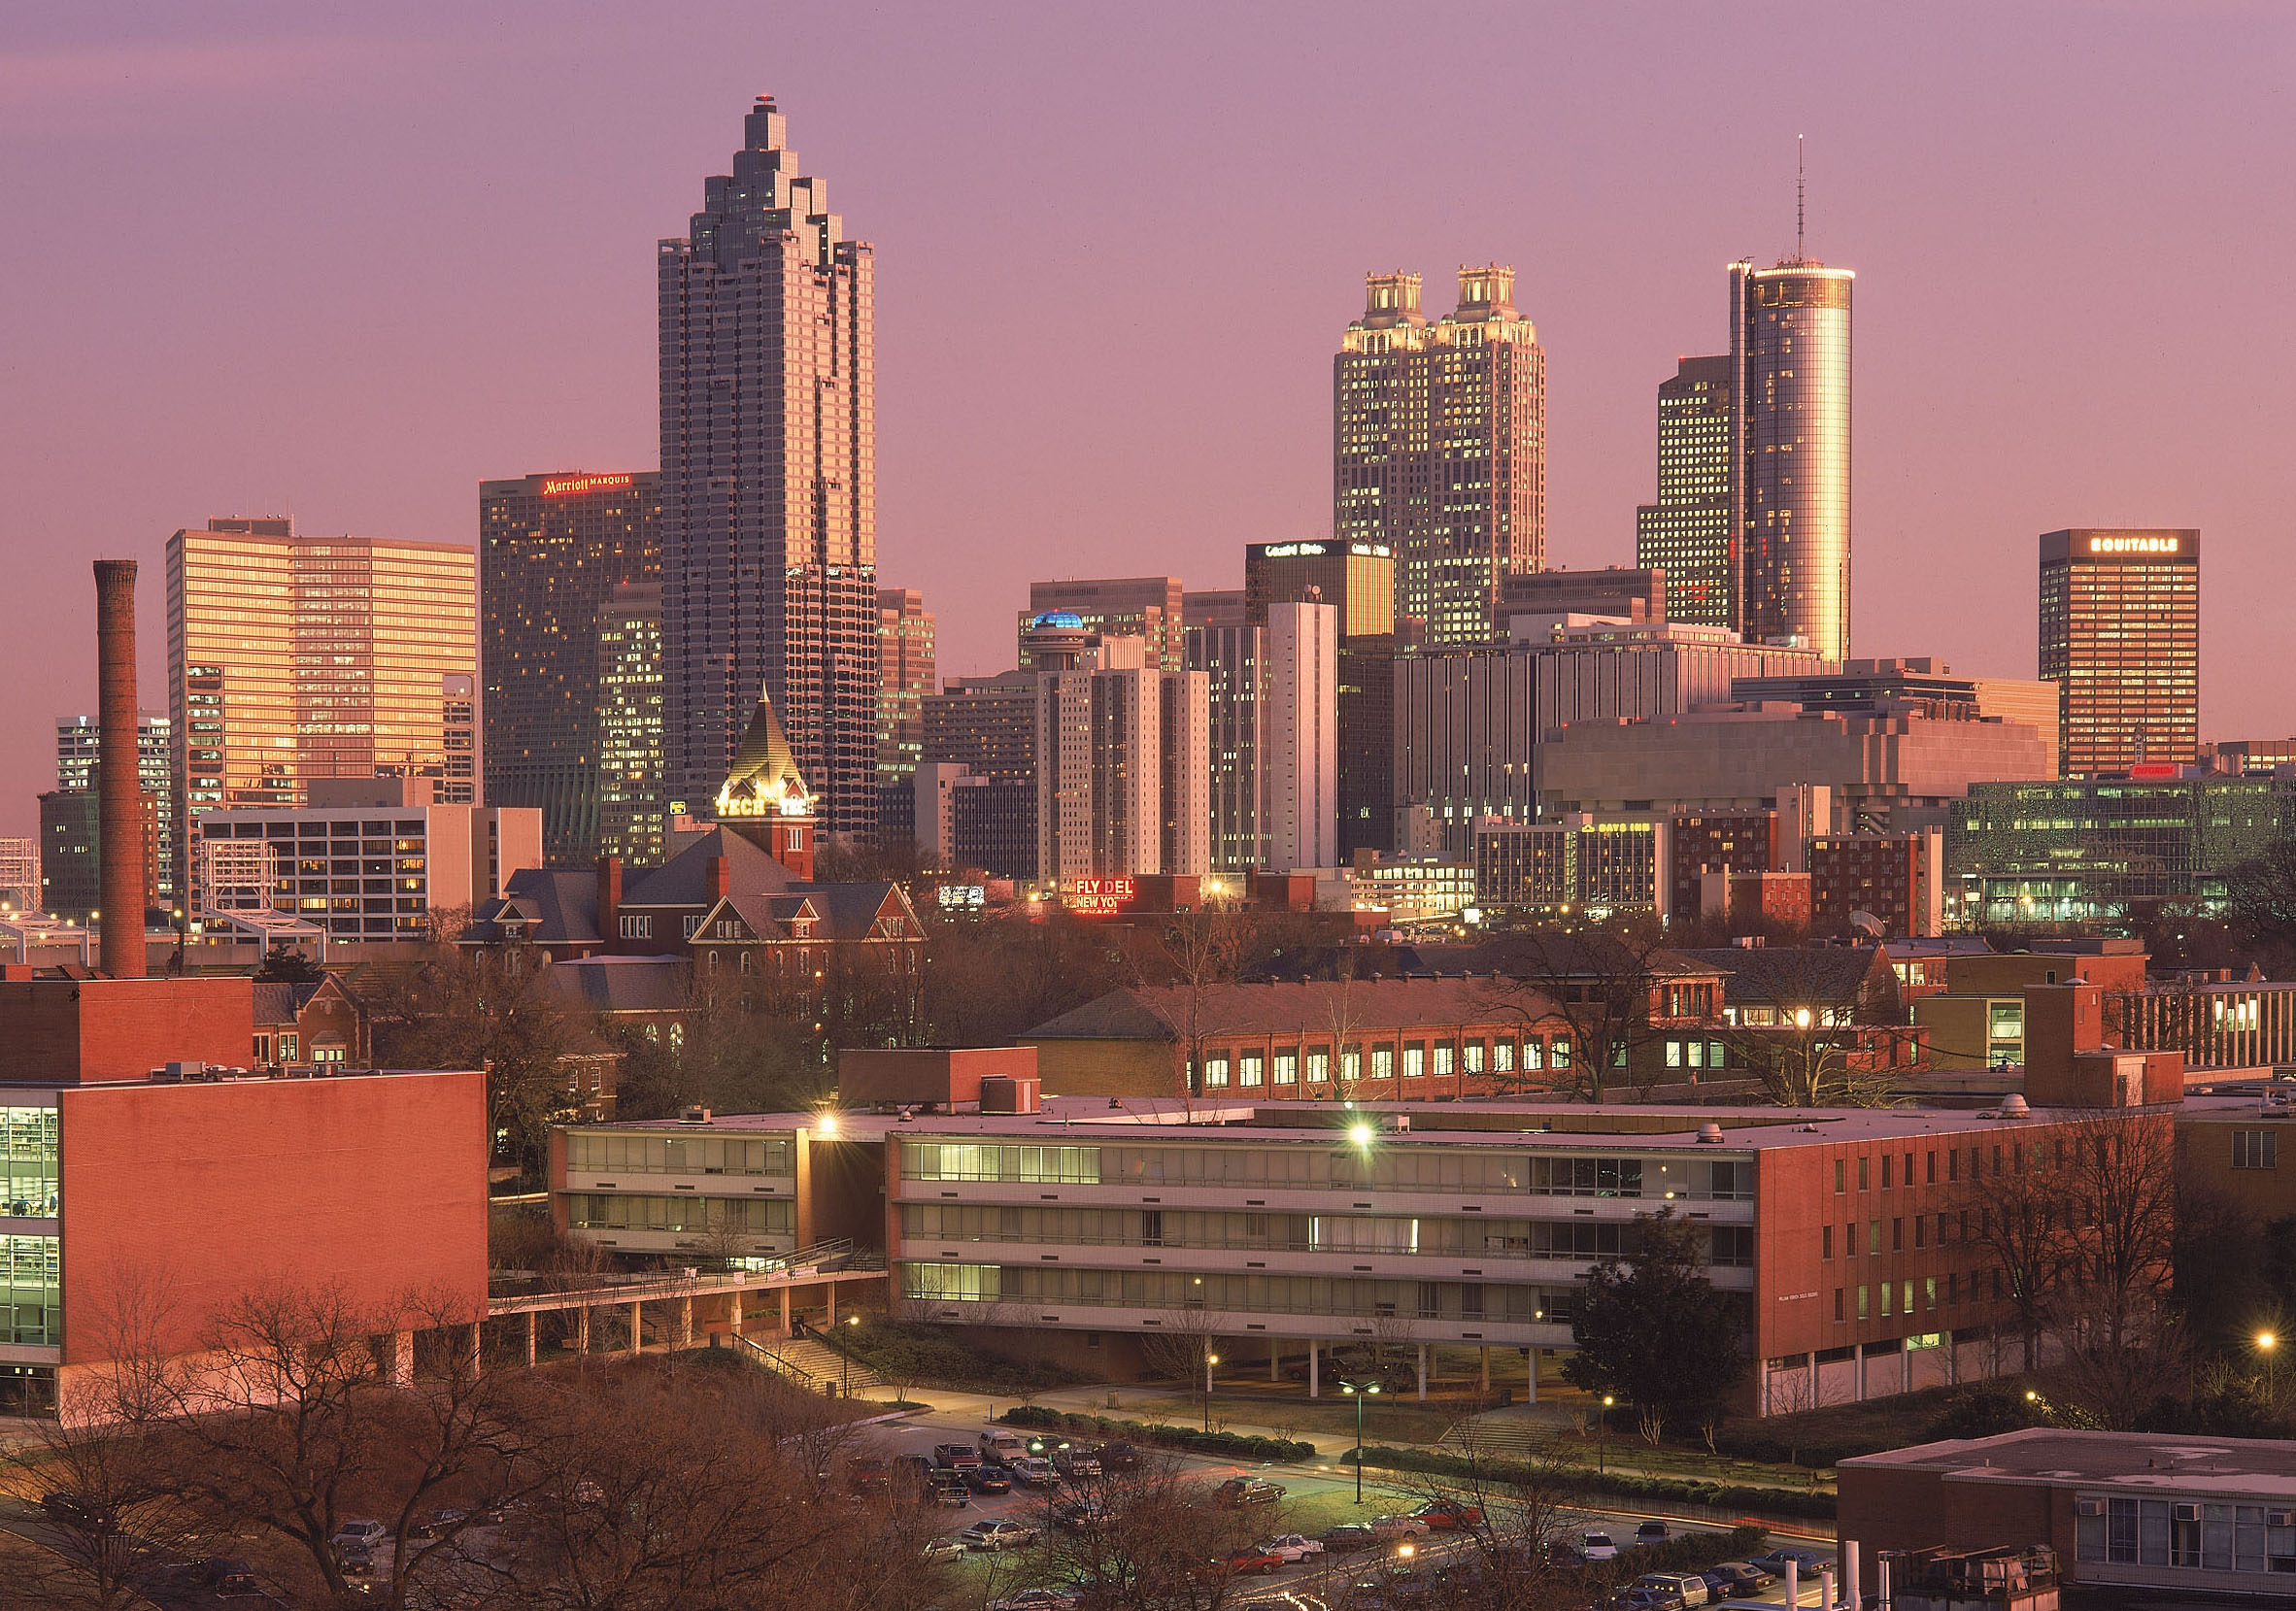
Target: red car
{"points": [[1245, 1564], [1448, 1516]]}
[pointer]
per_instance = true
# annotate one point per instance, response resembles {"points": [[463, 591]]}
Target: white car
{"points": [[996, 1534], [1395, 1526], [1596, 1546], [944, 1549], [1293, 1547]]}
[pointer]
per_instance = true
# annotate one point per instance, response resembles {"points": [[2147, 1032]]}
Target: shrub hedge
{"points": [[1281, 1450], [1777, 1501]]}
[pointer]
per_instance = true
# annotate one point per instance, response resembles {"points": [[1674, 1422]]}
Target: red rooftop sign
{"points": [[569, 486]]}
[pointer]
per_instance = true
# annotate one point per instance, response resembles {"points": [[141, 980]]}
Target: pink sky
{"points": [[262, 259]]}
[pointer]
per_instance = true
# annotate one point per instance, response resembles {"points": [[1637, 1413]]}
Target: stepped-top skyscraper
{"points": [[1686, 534], [1439, 446], [768, 481], [1789, 402]]}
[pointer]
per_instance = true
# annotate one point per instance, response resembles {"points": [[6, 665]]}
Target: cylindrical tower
{"points": [[1789, 351], [120, 789]]}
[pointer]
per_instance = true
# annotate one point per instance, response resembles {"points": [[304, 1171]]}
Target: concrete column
{"points": [[733, 1310], [832, 1319], [686, 1322], [1315, 1383], [1485, 1352], [637, 1326], [1423, 1373], [1275, 1361], [785, 1311], [403, 1358], [531, 1349], [1534, 1398]]}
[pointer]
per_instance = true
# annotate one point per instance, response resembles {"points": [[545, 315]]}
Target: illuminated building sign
{"points": [[1101, 898], [2132, 544], [1295, 551], [573, 486], [964, 897]]}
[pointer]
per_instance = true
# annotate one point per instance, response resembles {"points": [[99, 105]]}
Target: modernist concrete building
{"points": [[1440, 447], [2120, 635], [770, 479], [552, 551]]}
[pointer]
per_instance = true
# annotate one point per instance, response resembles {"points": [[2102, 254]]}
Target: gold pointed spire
{"points": [[764, 781]]}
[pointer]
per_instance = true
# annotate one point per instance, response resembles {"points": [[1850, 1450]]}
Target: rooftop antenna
{"points": [[1797, 191]]}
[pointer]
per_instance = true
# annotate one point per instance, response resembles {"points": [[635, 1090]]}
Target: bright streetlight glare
{"points": [[1362, 1134], [2267, 1341]]}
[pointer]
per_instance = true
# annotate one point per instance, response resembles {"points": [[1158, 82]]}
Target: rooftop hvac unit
{"points": [[2185, 1513], [693, 1116], [2279, 1518]]}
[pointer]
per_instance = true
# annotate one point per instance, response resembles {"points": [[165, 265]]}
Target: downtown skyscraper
{"points": [[1439, 449], [768, 482], [1686, 532], [2120, 636], [1789, 414]]}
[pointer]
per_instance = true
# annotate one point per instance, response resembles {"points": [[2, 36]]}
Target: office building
{"points": [[375, 861], [1151, 607], [1213, 607], [2253, 757], [965, 820], [2120, 636], [1686, 534], [906, 677], [1123, 749], [1703, 841], [632, 813], [552, 550], [76, 738], [2087, 850], [1895, 879], [986, 725], [1919, 684], [1357, 579], [1577, 865], [19, 876], [1234, 660], [1440, 447], [1789, 387], [295, 657], [70, 858], [1299, 760], [768, 480], [1618, 593]]}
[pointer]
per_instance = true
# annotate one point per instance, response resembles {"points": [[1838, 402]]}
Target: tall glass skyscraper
{"points": [[2120, 635], [1686, 532], [1789, 387], [768, 482], [1439, 446]]}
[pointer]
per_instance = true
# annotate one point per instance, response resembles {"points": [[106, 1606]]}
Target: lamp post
{"points": [[847, 1354], [1209, 1360], [2267, 1344], [1603, 1432], [1359, 1391]]}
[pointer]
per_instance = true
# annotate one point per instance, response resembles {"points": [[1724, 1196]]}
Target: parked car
{"points": [[1561, 1553], [227, 1575], [1293, 1546], [1449, 1515], [999, 1447], [951, 1548], [1254, 1560], [1073, 1460], [1035, 1599], [1653, 1532], [956, 1456], [1035, 1471], [949, 1490], [1388, 1530], [69, 1510], [996, 1534], [1807, 1561], [1119, 1456], [1247, 1491], [867, 1474], [989, 1479], [1344, 1536], [1077, 1515], [1596, 1546], [1691, 1587], [438, 1524], [1736, 1577], [365, 1534], [354, 1560]]}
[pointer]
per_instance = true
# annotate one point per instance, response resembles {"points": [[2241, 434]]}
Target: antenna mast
{"points": [[1797, 257]]}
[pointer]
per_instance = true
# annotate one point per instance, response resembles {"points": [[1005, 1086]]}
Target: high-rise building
{"points": [[291, 658], [1440, 447], [768, 481], [2120, 636], [76, 739], [633, 809], [1300, 757], [906, 677], [1234, 662], [1619, 592], [1214, 607], [19, 876], [1123, 775], [1150, 607], [1789, 425], [1358, 580], [550, 550], [1686, 532]]}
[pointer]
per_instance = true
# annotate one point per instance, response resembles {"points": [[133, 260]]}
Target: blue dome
{"points": [[1063, 619]]}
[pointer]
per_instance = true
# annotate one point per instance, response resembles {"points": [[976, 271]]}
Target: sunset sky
{"points": [[347, 261]]}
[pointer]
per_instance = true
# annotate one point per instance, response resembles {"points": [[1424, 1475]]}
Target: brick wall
{"points": [[66, 1032]]}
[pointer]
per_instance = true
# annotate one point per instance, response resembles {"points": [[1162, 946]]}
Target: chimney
{"points": [[721, 878], [609, 897], [120, 789]]}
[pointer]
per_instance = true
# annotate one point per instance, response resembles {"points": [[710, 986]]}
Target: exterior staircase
{"points": [[1497, 1434], [812, 1365]]}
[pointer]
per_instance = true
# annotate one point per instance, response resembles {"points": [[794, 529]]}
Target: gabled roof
{"points": [[684, 879], [279, 1003], [622, 984], [558, 908], [849, 911], [766, 915], [1366, 1006], [1793, 975]]}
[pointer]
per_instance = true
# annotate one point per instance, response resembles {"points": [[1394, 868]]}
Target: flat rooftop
{"points": [[2134, 1460], [1648, 1127]]}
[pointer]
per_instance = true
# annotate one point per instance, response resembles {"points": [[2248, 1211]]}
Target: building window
{"points": [[1865, 1178], [1841, 1176], [1383, 1061], [1287, 1067], [1825, 1241], [1503, 1055], [1838, 1317], [1441, 1063], [1250, 1068], [1887, 1292], [1215, 1069], [1884, 1171], [1472, 1056], [1872, 1239], [2255, 1149], [638, 927], [1414, 1059], [1319, 1067], [1862, 1301]]}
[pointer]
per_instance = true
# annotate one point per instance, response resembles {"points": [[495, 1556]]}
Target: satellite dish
{"points": [[1866, 923]]}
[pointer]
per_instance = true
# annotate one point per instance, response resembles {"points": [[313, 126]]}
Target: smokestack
{"points": [[120, 787]]}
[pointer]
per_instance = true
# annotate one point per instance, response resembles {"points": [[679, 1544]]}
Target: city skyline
{"points": [[1002, 459]]}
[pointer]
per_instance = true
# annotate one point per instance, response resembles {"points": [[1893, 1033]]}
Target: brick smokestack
{"points": [[120, 786]]}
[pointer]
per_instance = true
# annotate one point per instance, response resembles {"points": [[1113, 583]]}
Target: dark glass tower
{"points": [[552, 550], [768, 482], [1686, 534]]}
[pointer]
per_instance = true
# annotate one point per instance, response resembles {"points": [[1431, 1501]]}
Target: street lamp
{"points": [[847, 1352], [2269, 1345], [1209, 1360], [1603, 1432], [1359, 1391]]}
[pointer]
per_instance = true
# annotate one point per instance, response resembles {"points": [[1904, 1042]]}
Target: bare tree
{"points": [[1150, 1537], [1199, 952], [1519, 1510], [1599, 983], [1179, 1350]]}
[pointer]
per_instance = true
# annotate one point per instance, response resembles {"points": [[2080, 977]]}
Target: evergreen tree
{"points": [[1652, 1330]]}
